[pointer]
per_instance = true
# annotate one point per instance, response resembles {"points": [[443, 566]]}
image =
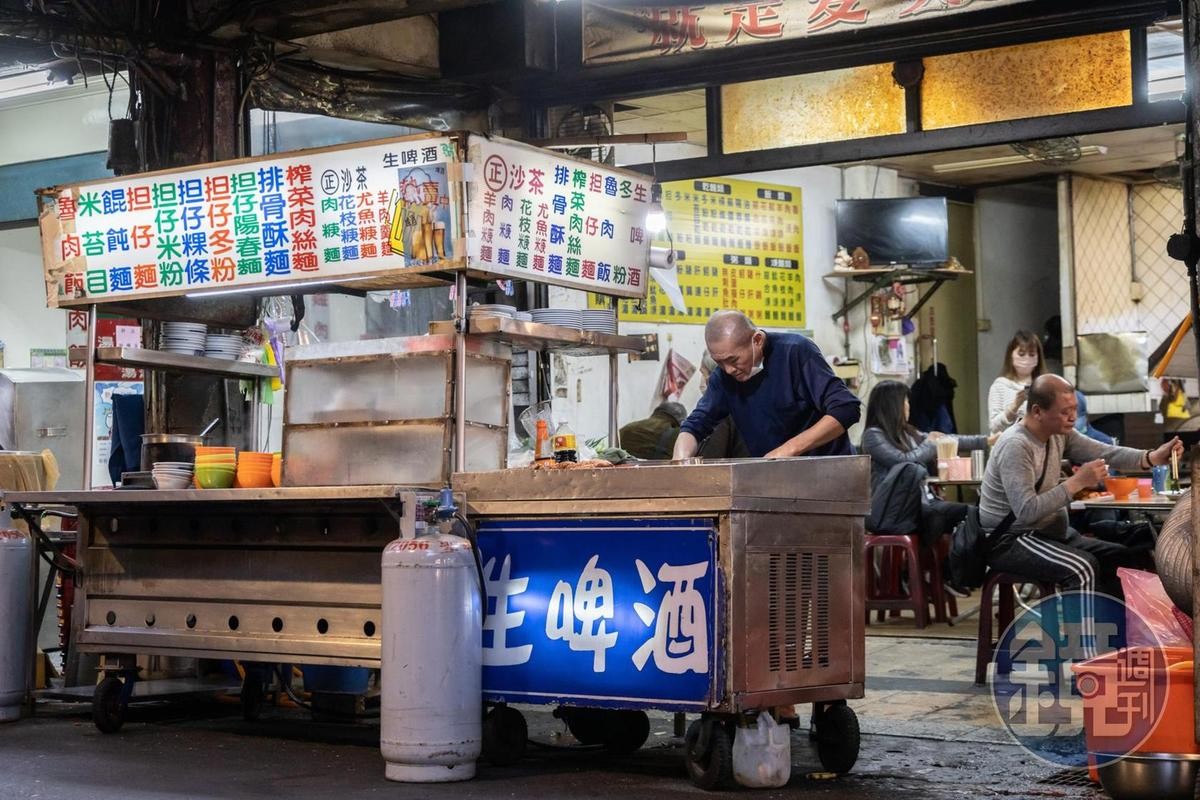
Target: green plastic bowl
{"points": [[214, 478]]}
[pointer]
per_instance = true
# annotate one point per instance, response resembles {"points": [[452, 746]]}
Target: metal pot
{"points": [[169, 447]]}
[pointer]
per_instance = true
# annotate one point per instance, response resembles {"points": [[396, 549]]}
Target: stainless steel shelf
{"points": [[536, 336], [159, 360]]}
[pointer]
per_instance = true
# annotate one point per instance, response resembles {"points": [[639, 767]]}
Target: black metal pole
{"points": [[1191, 56]]}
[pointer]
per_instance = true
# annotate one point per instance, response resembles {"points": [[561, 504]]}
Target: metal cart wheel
{"points": [[504, 736], [620, 731], [837, 737], [708, 753], [109, 703]]}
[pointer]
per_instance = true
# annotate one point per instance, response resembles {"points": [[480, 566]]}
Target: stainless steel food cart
{"points": [[723, 588]]}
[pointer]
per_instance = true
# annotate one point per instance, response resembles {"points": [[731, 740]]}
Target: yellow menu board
{"points": [[739, 244]]}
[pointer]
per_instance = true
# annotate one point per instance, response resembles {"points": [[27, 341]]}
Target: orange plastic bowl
{"points": [[1120, 488]]}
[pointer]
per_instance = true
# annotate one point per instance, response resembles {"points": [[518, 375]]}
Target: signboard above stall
{"points": [[332, 214], [536, 215], [619, 31], [375, 215]]}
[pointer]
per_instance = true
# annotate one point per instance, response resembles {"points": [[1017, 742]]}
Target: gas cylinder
{"points": [[16, 591], [431, 701]]}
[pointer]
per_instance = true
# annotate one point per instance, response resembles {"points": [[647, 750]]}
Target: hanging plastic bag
{"points": [[762, 755], [1146, 598]]}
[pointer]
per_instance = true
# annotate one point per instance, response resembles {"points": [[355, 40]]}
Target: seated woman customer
{"points": [[902, 457]]}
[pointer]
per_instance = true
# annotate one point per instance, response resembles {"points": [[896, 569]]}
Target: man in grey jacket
{"points": [[1023, 479]]}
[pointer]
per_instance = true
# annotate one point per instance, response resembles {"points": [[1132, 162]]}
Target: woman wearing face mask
{"points": [[1023, 361]]}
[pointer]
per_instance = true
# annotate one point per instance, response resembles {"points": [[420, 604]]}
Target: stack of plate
{"points": [[185, 338], [564, 317], [602, 320], [524, 316], [173, 474], [221, 345], [491, 310]]}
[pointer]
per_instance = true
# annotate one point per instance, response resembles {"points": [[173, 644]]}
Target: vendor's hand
{"points": [[1089, 475], [1162, 454], [933, 436], [991, 440], [1015, 406], [779, 452]]}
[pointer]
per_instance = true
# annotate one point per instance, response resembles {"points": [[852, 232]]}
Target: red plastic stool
{"points": [[945, 606], [1005, 583], [884, 592]]}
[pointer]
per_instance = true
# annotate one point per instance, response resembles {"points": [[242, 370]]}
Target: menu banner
{"points": [[538, 216], [739, 244], [615, 30], [307, 216]]}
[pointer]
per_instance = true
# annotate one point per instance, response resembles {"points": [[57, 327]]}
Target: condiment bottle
{"points": [[541, 448], [564, 443]]}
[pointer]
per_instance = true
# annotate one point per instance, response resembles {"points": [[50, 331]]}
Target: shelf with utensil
{"points": [[179, 362], [881, 278], [538, 336]]}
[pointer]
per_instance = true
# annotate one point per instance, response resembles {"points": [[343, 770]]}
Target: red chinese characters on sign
{"points": [[756, 20], [828, 13], [674, 28]]}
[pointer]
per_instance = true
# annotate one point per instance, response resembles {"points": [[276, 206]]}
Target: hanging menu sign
{"points": [[538, 216], [739, 244], [308, 216]]}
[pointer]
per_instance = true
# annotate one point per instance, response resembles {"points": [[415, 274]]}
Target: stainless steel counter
{"points": [[275, 575]]}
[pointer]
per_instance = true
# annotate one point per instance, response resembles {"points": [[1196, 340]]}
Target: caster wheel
{"points": [[504, 736], [709, 767], [585, 724], [625, 731], [837, 738], [253, 694], [108, 712]]}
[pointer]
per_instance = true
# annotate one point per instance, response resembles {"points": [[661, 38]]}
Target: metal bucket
{"points": [[168, 447]]}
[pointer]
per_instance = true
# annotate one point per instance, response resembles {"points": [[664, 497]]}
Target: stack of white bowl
{"points": [[185, 338], [563, 317], [173, 474], [603, 320], [223, 345]]}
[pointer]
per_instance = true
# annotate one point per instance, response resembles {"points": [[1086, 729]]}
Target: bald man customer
{"points": [[1024, 499], [777, 387]]}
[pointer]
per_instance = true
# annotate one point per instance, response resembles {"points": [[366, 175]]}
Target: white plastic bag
{"points": [[762, 755]]}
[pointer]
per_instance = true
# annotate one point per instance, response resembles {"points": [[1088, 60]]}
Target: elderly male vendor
{"points": [[781, 393]]}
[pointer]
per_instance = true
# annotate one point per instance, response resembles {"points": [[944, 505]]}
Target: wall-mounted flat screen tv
{"points": [[909, 230]]}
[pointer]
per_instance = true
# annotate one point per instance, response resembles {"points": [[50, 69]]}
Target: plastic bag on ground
{"points": [[1146, 597], [762, 755]]}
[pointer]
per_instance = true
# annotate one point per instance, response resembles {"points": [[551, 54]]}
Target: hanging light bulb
{"points": [[656, 216]]}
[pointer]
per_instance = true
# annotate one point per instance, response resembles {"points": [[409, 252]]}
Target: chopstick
{"points": [[1174, 465]]}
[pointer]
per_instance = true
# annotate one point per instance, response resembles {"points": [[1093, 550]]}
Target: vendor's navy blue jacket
{"points": [[795, 388]]}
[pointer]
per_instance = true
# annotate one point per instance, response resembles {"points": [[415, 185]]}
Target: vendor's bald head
{"points": [[735, 344], [1052, 405]]}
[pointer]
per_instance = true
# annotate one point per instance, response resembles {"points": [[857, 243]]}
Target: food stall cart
{"points": [[713, 588]]}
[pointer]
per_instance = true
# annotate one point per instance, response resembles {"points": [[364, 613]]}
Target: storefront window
{"points": [[1164, 61], [807, 109], [1083, 73]]}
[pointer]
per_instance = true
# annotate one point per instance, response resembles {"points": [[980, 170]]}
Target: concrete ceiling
{"points": [[1131, 154], [664, 113]]}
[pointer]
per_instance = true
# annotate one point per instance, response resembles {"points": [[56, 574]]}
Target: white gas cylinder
{"points": [[16, 608], [431, 703]]}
